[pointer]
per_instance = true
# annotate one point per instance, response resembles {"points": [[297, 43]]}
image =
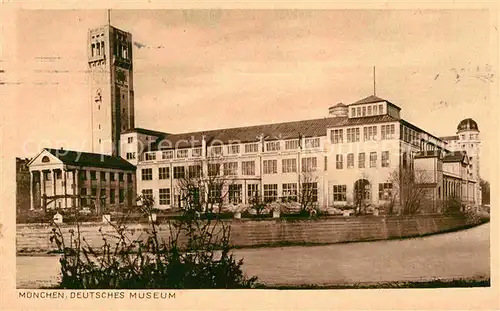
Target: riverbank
{"points": [[460, 255], [32, 238]]}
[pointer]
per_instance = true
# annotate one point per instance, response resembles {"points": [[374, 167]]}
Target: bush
{"points": [[202, 260]]}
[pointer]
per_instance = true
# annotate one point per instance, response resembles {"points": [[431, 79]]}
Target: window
{"points": [[129, 177], [369, 110], [252, 148], [252, 192], [130, 155], [311, 143], [196, 153], [121, 195], [83, 193], [213, 169], [164, 196], [353, 135], [230, 168], [462, 136], [309, 164], [169, 154], [381, 109], [147, 174], [83, 175], [388, 131], [373, 159], [120, 176], [103, 176], [364, 111], [375, 111], [339, 160], [273, 146], [58, 174], [289, 192], [130, 140], [370, 133], [310, 191], [93, 175], [385, 158], [289, 165], [215, 194], [112, 176], [194, 171], [233, 149], [350, 160], [384, 191], [361, 160], [339, 193], [47, 175], [179, 172], [147, 193], [93, 192], [163, 172], [112, 194], [405, 160], [358, 111], [270, 192], [353, 112], [337, 136], [216, 150], [182, 153], [291, 144], [270, 166], [150, 156], [235, 193], [248, 167]]}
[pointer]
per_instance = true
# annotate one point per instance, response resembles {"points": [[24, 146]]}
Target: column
{"points": [[43, 191], [32, 196], [54, 175], [65, 185]]}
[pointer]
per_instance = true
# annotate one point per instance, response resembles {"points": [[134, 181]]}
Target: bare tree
{"points": [[308, 192], [204, 187], [411, 188]]}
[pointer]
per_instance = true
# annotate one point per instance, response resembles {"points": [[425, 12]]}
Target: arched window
{"points": [[45, 159]]}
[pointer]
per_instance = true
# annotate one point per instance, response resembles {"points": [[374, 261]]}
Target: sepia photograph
{"points": [[280, 149]]}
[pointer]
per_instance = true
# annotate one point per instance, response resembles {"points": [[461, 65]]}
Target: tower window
{"points": [[99, 140], [98, 47], [93, 50], [102, 48], [99, 126]]}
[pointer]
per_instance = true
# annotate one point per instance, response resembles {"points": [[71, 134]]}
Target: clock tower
{"points": [[111, 87]]}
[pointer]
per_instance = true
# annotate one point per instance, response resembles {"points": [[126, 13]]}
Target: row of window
{"points": [[369, 110], [102, 195], [353, 134], [235, 193], [384, 192], [103, 176], [294, 144], [93, 175], [309, 164], [339, 160]]}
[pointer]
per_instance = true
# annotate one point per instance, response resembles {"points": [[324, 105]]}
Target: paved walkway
{"points": [[462, 254]]}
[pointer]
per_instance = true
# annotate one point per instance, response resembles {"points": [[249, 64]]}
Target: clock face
{"points": [[121, 76], [98, 74]]}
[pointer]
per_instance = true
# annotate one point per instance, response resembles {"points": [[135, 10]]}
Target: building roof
{"points": [[467, 125], [410, 125], [369, 100], [284, 130], [145, 132], [455, 156], [448, 138], [78, 158]]}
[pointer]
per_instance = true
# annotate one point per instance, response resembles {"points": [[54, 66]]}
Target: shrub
{"points": [[196, 255]]}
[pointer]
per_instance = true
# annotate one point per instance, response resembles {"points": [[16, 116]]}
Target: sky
{"points": [[207, 69]]}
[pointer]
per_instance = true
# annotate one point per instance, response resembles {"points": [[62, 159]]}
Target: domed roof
{"points": [[467, 124], [339, 105]]}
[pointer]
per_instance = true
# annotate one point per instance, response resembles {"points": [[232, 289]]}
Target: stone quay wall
{"points": [[34, 238]]}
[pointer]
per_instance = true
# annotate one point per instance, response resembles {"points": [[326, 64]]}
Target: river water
{"points": [[462, 254]]}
